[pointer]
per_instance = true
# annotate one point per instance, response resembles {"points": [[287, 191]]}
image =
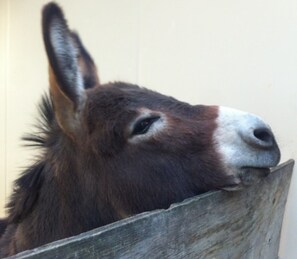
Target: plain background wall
{"points": [[235, 53]]}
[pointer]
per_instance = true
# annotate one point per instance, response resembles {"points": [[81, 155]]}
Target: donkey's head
{"points": [[146, 146]]}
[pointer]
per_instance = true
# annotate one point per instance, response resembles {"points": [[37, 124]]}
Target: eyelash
{"points": [[143, 125]]}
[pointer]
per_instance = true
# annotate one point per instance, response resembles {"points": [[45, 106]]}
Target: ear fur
{"points": [[71, 69], [86, 64]]}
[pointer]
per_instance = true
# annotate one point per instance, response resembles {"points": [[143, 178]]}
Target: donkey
{"points": [[113, 150]]}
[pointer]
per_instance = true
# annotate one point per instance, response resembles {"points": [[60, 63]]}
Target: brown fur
{"points": [[90, 174]]}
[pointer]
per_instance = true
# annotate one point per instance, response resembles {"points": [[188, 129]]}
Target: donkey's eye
{"points": [[143, 125]]}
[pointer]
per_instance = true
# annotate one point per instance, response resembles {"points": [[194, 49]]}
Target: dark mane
{"points": [[25, 193], [3, 225], [26, 187], [46, 127]]}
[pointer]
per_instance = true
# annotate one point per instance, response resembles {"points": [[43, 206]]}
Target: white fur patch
{"points": [[235, 140]]}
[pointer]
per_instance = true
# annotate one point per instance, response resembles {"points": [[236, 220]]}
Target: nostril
{"points": [[264, 135]]}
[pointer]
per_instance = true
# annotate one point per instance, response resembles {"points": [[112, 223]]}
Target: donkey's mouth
{"points": [[248, 176], [252, 175]]}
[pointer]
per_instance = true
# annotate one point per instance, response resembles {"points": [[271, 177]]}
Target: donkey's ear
{"points": [[71, 68]]}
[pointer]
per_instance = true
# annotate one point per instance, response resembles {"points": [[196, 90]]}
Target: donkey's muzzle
{"points": [[260, 143], [244, 140]]}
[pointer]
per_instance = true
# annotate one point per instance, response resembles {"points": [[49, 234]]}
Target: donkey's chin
{"points": [[247, 176], [250, 167]]}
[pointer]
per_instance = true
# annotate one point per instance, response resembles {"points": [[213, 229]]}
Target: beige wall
{"points": [[235, 53], [3, 62]]}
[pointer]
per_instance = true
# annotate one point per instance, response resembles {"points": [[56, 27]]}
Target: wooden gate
{"points": [[219, 224]]}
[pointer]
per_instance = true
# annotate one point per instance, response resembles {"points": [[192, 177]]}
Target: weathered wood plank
{"points": [[243, 224]]}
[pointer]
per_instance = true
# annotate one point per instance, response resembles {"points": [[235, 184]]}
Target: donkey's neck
{"points": [[65, 197], [79, 190]]}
